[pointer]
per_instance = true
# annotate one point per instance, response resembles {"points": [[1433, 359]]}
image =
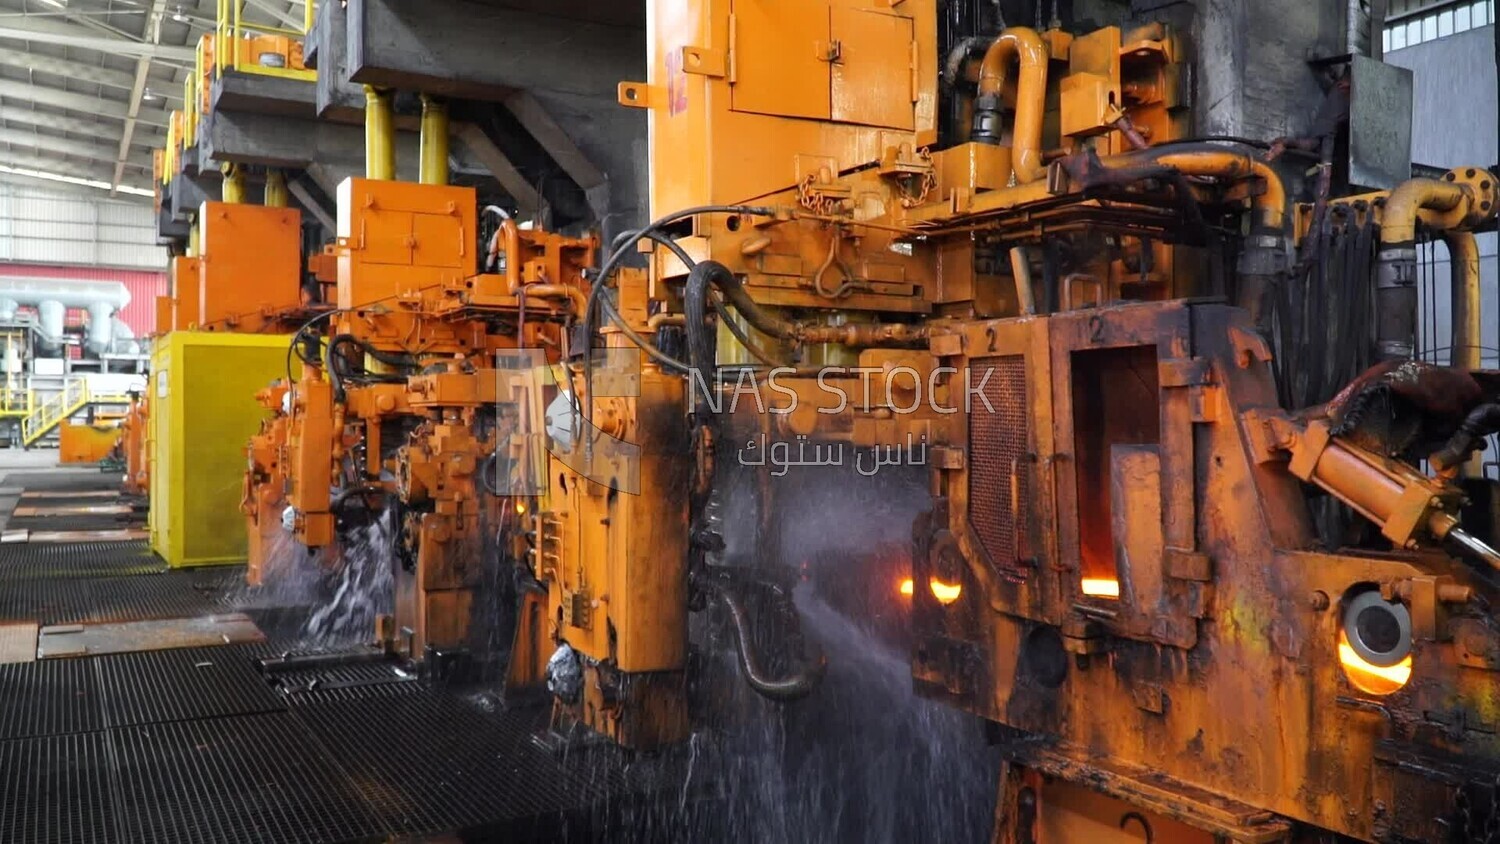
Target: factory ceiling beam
{"points": [[55, 186], [80, 71], [282, 17], [67, 15], [484, 150], [152, 137], [44, 31], [67, 146], [64, 167], [137, 90], [84, 103]]}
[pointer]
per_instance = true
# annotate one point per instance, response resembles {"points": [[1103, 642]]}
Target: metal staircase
{"points": [[75, 396]]}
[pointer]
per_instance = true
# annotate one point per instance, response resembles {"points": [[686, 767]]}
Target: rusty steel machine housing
{"points": [[1119, 570]]}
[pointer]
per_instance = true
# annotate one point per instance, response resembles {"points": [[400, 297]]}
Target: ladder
{"points": [[75, 396]]}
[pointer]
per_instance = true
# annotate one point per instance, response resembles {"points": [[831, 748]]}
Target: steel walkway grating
{"points": [[48, 697], [431, 762], [57, 789], [63, 600], [357, 681], [179, 685], [252, 779], [24, 560]]}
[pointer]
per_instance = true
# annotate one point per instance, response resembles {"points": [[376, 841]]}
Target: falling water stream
{"points": [[314, 603], [862, 759]]}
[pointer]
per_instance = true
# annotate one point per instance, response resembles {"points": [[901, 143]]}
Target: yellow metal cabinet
{"points": [[203, 411]]}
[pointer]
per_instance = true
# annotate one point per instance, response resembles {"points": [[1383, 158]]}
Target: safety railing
{"points": [[15, 402], [74, 396], [231, 31]]}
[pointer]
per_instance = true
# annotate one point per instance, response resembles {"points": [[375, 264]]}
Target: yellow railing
{"points": [[231, 29], [75, 396], [16, 402]]}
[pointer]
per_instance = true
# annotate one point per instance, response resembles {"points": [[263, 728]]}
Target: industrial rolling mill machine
{"points": [[1194, 587]]}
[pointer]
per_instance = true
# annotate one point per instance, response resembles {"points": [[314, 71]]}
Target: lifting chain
{"points": [[916, 187], [815, 200]]}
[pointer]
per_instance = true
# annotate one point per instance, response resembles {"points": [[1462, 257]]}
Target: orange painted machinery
{"points": [[88, 443], [1121, 570], [1065, 308], [134, 429], [395, 414]]}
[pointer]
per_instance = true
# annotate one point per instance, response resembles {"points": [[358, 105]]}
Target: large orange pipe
{"points": [[1024, 48], [1220, 163], [1396, 267], [1463, 252], [1399, 222]]}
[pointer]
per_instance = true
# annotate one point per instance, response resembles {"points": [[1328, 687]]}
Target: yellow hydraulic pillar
{"points": [[192, 247], [434, 142], [380, 135], [234, 183], [275, 189]]}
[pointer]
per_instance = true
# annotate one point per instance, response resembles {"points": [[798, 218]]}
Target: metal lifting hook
{"points": [[850, 283]]}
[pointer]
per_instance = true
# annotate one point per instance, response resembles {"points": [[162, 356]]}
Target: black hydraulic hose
{"points": [[959, 55], [1480, 423], [330, 355], [795, 686], [621, 246], [695, 303], [715, 273], [627, 241]]}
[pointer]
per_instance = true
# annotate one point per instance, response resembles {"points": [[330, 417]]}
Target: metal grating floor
{"points": [[21, 561], [180, 685], [48, 697], [250, 779], [64, 794], [473, 771], [345, 683], [64, 600], [196, 745]]}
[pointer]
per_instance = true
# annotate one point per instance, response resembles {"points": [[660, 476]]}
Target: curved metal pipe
{"points": [[558, 291], [1214, 161], [1396, 269], [794, 687], [1463, 253], [1023, 47], [767, 322], [512, 238], [1398, 225]]}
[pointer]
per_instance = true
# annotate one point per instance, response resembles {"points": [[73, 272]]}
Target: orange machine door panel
{"points": [[872, 79], [439, 241], [385, 236], [781, 55]]}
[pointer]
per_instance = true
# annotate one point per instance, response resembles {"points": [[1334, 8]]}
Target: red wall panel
{"points": [[144, 287]]}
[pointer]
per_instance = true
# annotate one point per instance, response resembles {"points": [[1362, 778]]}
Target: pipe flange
{"points": [[1378, 630], [1482, 187]]}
